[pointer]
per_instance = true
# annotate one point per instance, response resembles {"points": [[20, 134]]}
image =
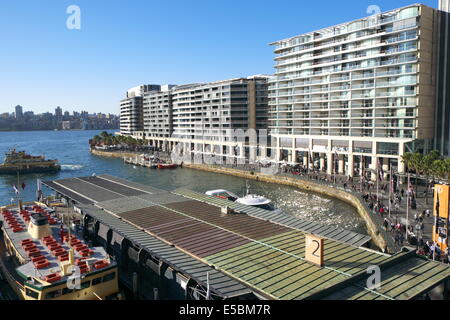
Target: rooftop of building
{"points": [[331, 29]]}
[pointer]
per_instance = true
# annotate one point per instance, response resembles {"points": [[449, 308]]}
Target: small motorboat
{"points": [[249, 200]]}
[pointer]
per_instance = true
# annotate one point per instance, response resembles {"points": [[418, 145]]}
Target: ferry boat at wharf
{"points": [[20, 162], [41, 258]]}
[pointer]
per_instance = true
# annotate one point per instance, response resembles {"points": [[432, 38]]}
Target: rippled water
{"points": [[72, 150]]}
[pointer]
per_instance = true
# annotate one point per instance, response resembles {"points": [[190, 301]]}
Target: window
{"points": [[96, 281], [31, 293], [66, 291], [387, 148], [53, 294], [109, 277]]}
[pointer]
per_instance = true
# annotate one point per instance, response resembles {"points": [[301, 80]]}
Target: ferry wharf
{"points": [[171, 245]]}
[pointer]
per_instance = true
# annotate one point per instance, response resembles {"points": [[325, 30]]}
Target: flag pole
{"points": [[390, 191], [378, 177], [208, 293], [18, 192], [407, 208]]}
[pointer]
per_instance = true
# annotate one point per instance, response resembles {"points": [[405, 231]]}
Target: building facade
{"points": [[132, 112], [210, 110], [19, 112], [158, 113], [131, 116], [199, 117], [358, 93], [442, 124]]}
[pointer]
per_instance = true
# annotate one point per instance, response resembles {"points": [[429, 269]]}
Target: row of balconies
{"points": [[373, 37], [338, 61], [354, 68]]}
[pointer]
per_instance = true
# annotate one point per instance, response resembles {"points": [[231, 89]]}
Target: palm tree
{"points": [[416, 164]]}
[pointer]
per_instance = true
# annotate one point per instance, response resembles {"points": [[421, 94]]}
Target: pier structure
{"points": [[172, 240]]}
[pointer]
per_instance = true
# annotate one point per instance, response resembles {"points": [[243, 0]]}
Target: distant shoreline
{"points": [[33, 130]]}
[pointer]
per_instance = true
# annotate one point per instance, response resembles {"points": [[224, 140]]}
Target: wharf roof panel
{"points": [[239, 223], [403, 280], [282, 219], [122, 205], [178, 229], [130, 184], [112, 186], [88, 190], [67, 193], [276, 267]]}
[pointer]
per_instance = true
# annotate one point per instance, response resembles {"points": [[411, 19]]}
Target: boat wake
{"points": [[71, 167]]}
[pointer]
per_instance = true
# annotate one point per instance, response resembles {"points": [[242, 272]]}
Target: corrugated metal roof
{"points": [[130, 184], [276, 265], [194, 236], [185, 264], [333, 233], [67, 193]]}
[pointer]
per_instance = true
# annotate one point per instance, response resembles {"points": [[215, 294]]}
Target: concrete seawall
{"points": [[114, 154], [349, 198]]}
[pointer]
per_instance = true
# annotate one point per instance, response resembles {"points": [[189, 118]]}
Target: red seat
{"points": [[26, 241], [63, 257], [100, 264], [41, 264], [53, 277], [38, 258], [34, 252]]}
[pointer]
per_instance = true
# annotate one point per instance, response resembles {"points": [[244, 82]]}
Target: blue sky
{"points": [[122, 44]]}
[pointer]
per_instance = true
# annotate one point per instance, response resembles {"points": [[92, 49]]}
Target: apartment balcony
{"points": [[337, 79], [362, 96], [339, 88]]}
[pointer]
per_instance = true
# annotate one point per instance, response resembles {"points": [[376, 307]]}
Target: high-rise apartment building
{"points": [[131, 116], [442, 123], [157, 109], [211, 110], [132, 112], [199, 117], [19, 112], [357, 93], [58, 112]]}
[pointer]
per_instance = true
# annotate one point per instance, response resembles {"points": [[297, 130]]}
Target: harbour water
{"points": [[72, 150]]}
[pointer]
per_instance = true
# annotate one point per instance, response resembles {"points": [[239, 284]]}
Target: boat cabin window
{"points": [[97, 281], [85, 285], [66, 291], [53, 294], [109, 277], [31, 293]]}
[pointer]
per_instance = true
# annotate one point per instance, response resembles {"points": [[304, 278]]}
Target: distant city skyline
{"points": [[51, 110], [124, 44]]}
